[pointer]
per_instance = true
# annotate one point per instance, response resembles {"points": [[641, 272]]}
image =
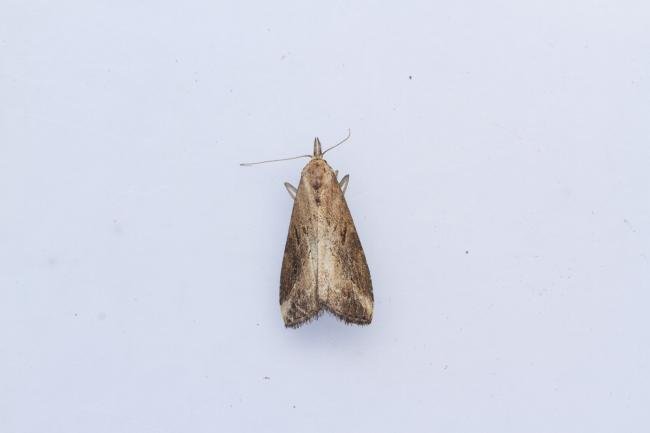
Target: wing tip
{"points": [[295, 317], [293, 322], [297, 322], [348, 319]]}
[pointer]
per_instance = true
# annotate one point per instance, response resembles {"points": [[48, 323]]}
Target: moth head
{"points": [[318, 153]]}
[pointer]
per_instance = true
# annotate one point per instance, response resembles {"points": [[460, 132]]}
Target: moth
{"points": [[324, 267]]}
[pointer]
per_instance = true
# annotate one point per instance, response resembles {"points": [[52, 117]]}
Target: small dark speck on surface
{"points": [[410, 77], [445, 367], [466, 251], [629, 225], [294, 406], [267, 378], [117, 228]]}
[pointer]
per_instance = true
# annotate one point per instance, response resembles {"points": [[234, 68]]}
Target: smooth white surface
{"points": [[499, 182]]}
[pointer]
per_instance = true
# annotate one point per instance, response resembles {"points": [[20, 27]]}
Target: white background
{"points": [[499, 183]]}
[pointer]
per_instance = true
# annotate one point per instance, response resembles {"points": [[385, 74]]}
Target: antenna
{"points": [[339, 143], [316, 151], [248, 164]]}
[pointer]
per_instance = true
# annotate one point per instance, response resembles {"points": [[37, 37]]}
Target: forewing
{"points": [[344, 279], [298, 289]]}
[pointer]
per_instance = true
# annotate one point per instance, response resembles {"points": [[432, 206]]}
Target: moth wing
{"points": [[298, 284], [344, 279]]}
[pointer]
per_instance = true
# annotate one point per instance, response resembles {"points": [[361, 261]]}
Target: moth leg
{"points": [[336, 174], [344, 183], [291, 190]]}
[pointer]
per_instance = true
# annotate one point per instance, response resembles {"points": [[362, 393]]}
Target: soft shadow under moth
{"points": [[324, 267]]}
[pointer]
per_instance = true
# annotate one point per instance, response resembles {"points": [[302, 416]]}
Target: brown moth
{"points": [[324, 267]]}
